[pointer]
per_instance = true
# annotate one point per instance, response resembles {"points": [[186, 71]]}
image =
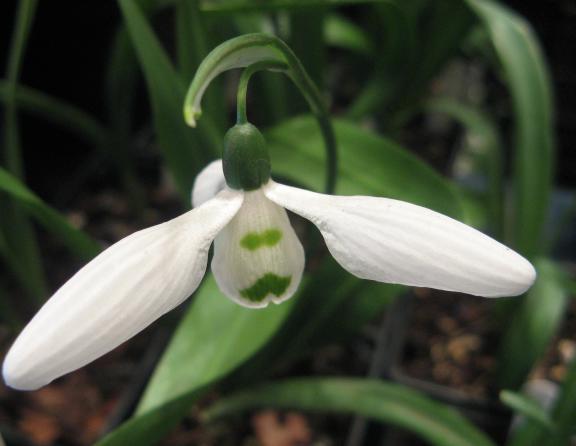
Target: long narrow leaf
{"points": [[534, 325], [523, 405], [59, 112], [228, 6], [371, 164], [215, 336], [563, 418], [74, 239], [386, 402], [23, 25], [528, 80], [564, 414], [343, 33], [22, 253], [184, 151]]}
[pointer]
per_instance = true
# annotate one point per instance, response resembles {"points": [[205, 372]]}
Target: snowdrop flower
{"points": [[258, 259]]}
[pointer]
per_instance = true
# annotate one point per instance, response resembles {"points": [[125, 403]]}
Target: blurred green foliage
{"points": [[375, 63]]}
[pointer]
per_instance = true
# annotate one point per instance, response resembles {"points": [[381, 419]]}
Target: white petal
{"points": [[118, 294], [397, 242], [208, 183], [258, 258]]}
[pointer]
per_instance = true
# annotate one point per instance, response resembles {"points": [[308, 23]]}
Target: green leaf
{"points": [[394, 54], [382, 401], [73, 238], [215, 336], [307, 41], [526, 406], [184, 150], [418, 39], [564, 413], [563, 418], [370, 164], [22, 253], [58, 112], [23, 25], [527, 78], [343, 33], [227, 6], [440, 28], [533, 324]]}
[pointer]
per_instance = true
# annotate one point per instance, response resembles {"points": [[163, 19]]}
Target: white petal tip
{"points": [[521, 280], [19, 377]]}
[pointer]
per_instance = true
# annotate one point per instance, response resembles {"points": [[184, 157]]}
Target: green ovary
{"points": [[269, 283], [254, 240]]}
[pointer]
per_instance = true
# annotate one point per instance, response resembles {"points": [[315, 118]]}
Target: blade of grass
{"points": [[307, 41], [110, 144], [343, 33], [59, 112], [371, 164], [78, 242], [185, 152], [395, 50], [530, 408], [386, 402], [563, 418], [440, 28], [527, 78], [23, 252], [533, 324], [23, 24], [229, 6], [564, 414], [191, 43]]}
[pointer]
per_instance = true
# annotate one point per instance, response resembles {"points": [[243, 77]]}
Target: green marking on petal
{"points": [[269, 283], [255, 240]]}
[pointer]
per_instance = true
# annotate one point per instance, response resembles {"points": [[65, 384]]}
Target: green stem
{"points": [[249, 49], [241, 117]]}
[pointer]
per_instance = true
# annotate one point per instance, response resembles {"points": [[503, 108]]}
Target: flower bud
{"points": [[245, 160]]}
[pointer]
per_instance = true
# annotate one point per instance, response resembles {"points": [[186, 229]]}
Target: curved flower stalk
{"points": [[262, 52], [258, 260]]}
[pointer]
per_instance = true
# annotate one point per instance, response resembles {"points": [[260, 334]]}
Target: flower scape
{"points": [[258, 259]]}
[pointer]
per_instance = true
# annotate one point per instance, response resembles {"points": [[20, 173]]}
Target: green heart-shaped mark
{"points": [[269, 283], [255, 240]]}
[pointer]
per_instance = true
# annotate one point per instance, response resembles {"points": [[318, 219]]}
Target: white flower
{"points": [[258, 259]]}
